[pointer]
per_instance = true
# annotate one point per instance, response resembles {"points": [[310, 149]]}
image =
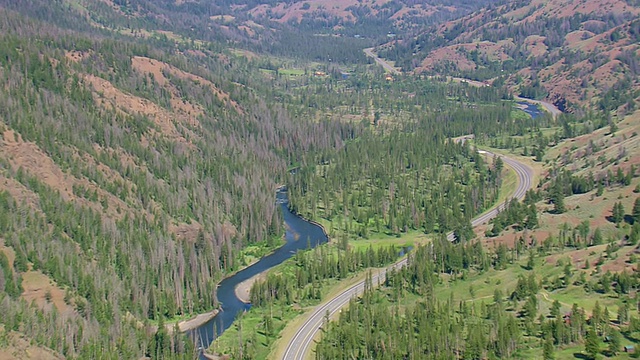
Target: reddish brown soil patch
{"points": [[535, 45], [37, 287], [19, 193], [20, 348], [608, 74], [147, 65], [620, 264], [577, 257], [446, 54], [76, 56], [186, 231], [111, 97], [27, 155], [567, 8]]}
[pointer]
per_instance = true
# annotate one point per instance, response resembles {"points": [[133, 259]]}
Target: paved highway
{"points": [[303, 338], [384, 64]]}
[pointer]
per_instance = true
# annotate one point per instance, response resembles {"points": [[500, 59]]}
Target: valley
{"points": [[461, 179]]}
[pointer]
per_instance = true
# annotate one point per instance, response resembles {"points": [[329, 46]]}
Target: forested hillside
{"points": [[573, 53], [134, 172]]}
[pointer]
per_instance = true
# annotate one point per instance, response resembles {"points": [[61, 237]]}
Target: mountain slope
{"points": [[571, 52], [133, 172]]}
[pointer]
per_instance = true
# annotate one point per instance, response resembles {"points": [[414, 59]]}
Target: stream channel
{"points": [[300, 234]]}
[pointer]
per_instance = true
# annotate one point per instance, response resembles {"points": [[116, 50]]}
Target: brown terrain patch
{"points": [[109, 96], [623, 147], [157, 68], [186, 231], [446, 54], [620, 263], [566, 8], [249, 31], [580, 83], [76, 56], [577, 257], [592, 254], [609, 74], [20, 348], [419, 10], [38, 286], [187, 108], [535, 45], [284, 12], [578, 36], [28, 156], [8, 252], [20, 193]]}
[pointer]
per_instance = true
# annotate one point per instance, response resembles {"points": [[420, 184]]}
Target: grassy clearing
{"points": [[291, 72], [255, 252]]}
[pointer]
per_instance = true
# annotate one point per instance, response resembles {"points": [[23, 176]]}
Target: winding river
{"points": [[300, 234], [530, 109]]}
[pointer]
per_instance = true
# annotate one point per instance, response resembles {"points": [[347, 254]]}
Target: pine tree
{"points": [[597, 237], [635, 213], [557, 198], [532, 217], [592, 344], [617, 213], [548, 349], [634, 234], [614, 341], [531, 262]]}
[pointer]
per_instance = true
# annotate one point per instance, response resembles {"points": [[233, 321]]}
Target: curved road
{"points": [[303, 338], [384, 64]]}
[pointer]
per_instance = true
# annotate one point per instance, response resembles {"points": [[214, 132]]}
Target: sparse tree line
{"points": [[380, 325], [312, 268]]}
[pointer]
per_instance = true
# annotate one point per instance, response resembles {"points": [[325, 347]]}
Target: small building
{"points": [[629, 349]]}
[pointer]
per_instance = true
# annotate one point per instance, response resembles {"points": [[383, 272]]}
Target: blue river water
{"points": [[530, 109], [300, 234]]}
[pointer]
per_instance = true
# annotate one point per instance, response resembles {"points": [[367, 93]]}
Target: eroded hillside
{"points": [[573, 53]]}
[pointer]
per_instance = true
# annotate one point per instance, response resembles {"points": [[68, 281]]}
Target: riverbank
{"points": [[243, 289], [547, 106], [187, 325], [197, 321], [233, 292]]}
